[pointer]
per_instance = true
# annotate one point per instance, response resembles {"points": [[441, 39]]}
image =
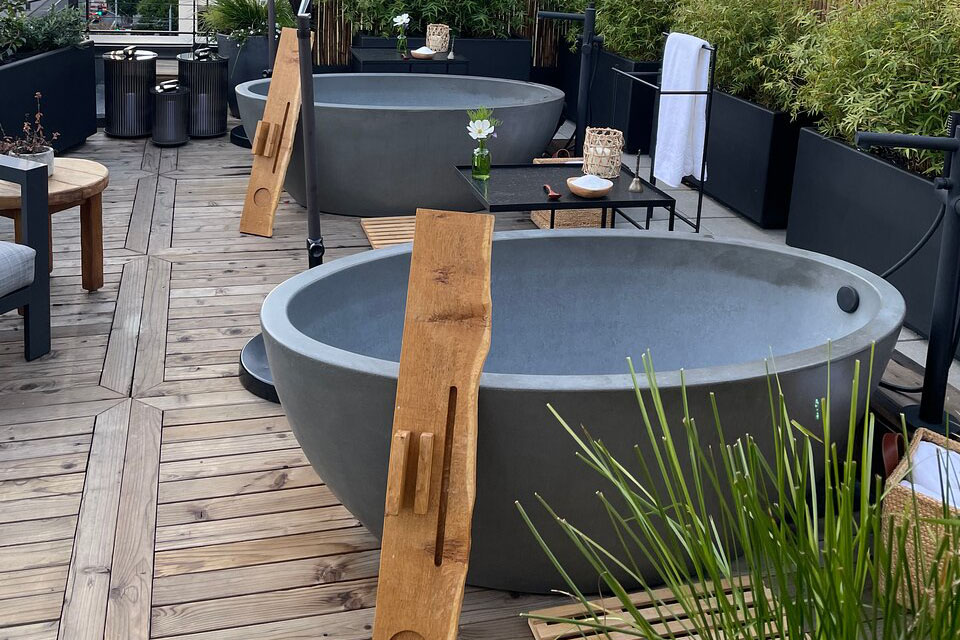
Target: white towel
{"points": [[683, 119], [933, 469]]}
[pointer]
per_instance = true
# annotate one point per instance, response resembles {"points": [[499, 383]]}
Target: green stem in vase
{"points": [[481, 161]]}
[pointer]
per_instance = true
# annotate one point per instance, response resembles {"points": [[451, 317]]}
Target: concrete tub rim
{"points": [[275, 322], [554, 93]]}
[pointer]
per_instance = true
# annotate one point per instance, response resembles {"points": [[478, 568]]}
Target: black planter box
{"points": [[857, 207], [67, 79], [615, 101], [491, 57], [751, 155]]}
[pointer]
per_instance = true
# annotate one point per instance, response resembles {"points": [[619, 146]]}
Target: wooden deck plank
{"points": [[151, 349], [131, 575], [88, 582], [122, 347]]}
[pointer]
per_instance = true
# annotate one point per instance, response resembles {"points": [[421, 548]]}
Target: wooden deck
{"points": [[143, 492]]}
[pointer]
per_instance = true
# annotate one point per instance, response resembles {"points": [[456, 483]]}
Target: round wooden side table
{"points": [[74, 182]]}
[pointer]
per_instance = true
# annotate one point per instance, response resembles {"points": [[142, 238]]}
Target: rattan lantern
{"points": [[602, 150], [438, 37]]}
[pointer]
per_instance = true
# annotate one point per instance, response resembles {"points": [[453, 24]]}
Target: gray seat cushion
{"points": [[16, 266]]}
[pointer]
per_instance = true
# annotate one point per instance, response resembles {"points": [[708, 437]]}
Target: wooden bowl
{"points": [[422, 56], [577, 190]]}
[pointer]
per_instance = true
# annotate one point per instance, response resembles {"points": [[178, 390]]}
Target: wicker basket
{"points": [[602, 151], [438, 37], [898, 506], [565, 218]]}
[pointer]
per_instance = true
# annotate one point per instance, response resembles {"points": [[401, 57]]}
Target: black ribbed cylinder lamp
{"points": [[128, 77], [204, 74], [170, 115]]}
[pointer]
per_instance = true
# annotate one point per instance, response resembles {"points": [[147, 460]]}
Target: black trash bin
{"points": [[170, 114], [128, 76], [204, 74]]}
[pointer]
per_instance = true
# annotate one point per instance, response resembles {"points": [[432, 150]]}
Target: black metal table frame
{"points": [[669, 203]]}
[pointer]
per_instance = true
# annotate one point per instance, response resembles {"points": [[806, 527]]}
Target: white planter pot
{"points": [[45, 157]]}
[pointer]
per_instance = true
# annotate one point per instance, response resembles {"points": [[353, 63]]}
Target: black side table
{"points": [[389, 61], [519, 187]]}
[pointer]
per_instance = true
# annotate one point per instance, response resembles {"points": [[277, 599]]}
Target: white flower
{"points": [[402, 20], [480, 129]]}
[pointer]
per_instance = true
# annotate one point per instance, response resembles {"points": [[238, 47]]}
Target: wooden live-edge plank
{"points": [[122, 347], [148, 371], [131, 576], [266, 577], [208, 615], [263, 551], [238, 484], [88, 581]]}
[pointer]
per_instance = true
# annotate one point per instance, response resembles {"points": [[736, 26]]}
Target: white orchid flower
{"points": [[401, 20], [480, 129]]}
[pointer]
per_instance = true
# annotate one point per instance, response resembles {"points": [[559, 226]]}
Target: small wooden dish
{"points": [[422, 56], [577, 190]]}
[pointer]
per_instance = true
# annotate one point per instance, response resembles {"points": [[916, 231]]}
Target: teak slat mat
{"points": [[272, 142], [386, 232], [431, 478], [666, 616]]}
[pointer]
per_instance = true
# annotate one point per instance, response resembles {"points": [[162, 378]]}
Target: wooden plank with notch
{"points": [[273, 140], [429, 508]]}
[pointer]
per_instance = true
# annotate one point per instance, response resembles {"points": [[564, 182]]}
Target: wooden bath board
{"points": [[386, 232], [272, 142], [431, 480], [669, 620]]}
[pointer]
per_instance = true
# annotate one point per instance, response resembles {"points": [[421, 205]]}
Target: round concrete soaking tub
{"points": [[568, 307], [388, 143]]}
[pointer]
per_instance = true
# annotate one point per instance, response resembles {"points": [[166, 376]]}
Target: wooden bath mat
{"points": [[386, 232], [669, 620]]}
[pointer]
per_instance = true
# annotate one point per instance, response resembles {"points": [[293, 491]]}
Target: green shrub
{"points": [[240, 19], [159, 15], [752, 38], [631, 28], [888, 65], [11, 28], [53, 30], [466, 18]]}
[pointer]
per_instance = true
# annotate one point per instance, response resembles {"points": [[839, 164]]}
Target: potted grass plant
{"points": [[47, 53], [241, 31], [792, 545], [753, 134], [886, 66]]}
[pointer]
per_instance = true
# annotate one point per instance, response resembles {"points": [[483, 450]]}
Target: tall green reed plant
{"points": [[798, 550]]}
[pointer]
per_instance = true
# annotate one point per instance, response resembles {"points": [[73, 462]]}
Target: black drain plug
{"points": [[848, 299]]}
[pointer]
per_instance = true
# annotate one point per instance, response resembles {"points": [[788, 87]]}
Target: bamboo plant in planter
{"points": [[753, 139], [47, 53], [801, 550], [887, 66], [241, 30]]}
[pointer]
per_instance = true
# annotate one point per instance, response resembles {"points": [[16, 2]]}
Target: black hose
{"points": [[902, 261]]}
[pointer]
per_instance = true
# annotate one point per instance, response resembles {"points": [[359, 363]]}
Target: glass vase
{"points": [[481, 161], [402, 44]]}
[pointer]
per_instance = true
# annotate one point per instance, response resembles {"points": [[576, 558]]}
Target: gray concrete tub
{"points": [[568, 307], [388, 143]]}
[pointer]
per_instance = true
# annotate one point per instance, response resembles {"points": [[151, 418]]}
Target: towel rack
{"points": [[637, 76]]}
